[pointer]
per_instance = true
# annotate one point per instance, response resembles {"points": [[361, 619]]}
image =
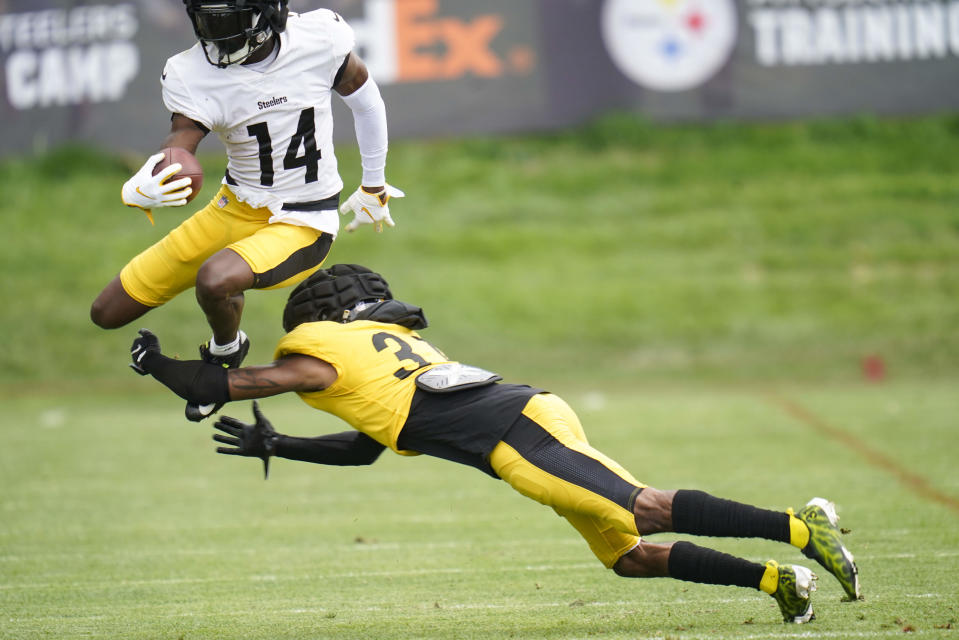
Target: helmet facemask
{"points": [[231, 31]]}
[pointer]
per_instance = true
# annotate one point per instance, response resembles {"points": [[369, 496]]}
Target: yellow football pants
{"points": [[279, 254], [547, 458]]}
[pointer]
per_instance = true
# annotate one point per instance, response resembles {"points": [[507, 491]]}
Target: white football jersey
{"points": [[275, 120]]}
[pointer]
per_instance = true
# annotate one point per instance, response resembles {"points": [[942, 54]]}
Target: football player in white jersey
{"points": [[261, 78]]}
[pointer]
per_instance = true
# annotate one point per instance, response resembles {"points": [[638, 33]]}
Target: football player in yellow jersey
{"points": [[354, 351]]}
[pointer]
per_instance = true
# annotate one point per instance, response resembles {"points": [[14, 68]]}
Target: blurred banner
{"points": [[88, 70]]}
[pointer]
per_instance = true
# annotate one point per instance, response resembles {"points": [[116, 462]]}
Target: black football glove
{"points": [[251, 440], [144, 347]]}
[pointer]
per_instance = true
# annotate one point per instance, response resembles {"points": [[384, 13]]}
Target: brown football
{"points": [[191, 167]]}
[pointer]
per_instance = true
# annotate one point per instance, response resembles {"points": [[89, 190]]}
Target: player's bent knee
{"points": [[621, 568], [628, 567], [107, 313], [101, 317], [645, 560], [115, 308], [210, 286], [213, 284], [653, 510], [223, 275]]}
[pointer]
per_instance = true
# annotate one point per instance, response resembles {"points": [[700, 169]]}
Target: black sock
{"points": [[693, 563], [698, 513]]}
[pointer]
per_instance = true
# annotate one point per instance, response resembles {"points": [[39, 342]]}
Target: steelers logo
{"points": [[669, 45]]}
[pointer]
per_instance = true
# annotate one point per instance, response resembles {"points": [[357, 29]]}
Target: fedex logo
{"points": [[410, 41]]}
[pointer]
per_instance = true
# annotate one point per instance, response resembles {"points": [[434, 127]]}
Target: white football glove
{"points": [[147, 191], [371, 208]]}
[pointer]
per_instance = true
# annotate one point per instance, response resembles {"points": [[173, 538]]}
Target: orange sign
{"points": [[430, 47]]}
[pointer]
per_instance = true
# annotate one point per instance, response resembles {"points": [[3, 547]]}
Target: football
{"points": [[191, 167]]}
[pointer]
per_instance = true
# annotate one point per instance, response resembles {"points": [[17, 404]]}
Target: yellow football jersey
{"points": [[376, 397]]}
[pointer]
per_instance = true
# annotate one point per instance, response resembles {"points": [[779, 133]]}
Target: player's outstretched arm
{"points": [[260, 440], [293, 372], [206, 383], [192, 380]]}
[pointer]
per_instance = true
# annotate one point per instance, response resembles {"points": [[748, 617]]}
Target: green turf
{"points": [[120, 521]]}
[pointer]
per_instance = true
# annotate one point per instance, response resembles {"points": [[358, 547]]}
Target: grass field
{"points": [[118, 521], [703, 296]]}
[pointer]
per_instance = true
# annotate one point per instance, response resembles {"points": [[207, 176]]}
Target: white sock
{"points": [[228, 348]]}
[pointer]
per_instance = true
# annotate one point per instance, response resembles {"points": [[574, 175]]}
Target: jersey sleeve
{"points": [[303, 340], [293, 342], [340, 36], [178, 96]]}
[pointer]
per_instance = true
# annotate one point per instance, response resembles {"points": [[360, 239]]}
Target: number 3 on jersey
{"points": [[404, 353], [305, 138]]}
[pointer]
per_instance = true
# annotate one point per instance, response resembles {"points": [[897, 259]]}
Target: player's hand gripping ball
{"points": [[170, 178], [189, 168]]}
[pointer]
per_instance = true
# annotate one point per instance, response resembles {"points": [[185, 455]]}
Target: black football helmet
{"points": [[231, 30], [334, 294]]}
